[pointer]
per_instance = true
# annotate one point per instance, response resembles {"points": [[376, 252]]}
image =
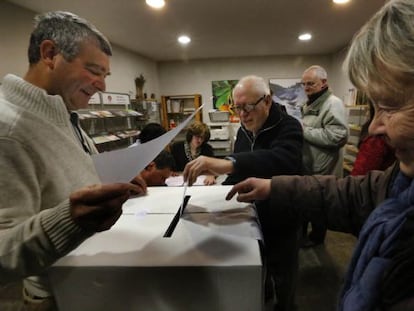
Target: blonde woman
{"points": [[195, 144]]}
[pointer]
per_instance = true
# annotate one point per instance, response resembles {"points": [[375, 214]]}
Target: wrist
{"points": [[232, 161]]}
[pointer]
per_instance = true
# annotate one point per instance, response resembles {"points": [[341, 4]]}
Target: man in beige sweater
{"points": [[51, 196]]}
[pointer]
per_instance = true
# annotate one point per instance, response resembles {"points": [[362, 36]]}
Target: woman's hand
{"points": [[251, 189]]}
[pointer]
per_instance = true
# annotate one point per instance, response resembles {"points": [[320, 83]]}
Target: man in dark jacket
{"points": [[273, 148], [269, 142]]}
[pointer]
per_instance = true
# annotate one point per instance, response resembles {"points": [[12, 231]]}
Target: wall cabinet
{"points": [[176, 108], [110, 121], [357, 115]]}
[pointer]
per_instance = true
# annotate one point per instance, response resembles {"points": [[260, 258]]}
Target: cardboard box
{"points": [[211, 262]]}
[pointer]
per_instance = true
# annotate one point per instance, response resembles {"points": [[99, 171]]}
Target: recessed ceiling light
{"points": [[184, 39], [156, 4], [305, 37], [340, 1]]}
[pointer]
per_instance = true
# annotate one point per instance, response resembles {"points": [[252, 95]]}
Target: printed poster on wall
{"points": [[290, 93]]}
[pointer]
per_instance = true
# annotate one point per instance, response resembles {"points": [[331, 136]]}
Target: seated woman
{"points": [[196, 144]]}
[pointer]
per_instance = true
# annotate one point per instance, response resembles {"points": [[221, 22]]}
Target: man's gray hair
{"points": [[384, 46], [255, 83], [319, 71], [68, 31]]}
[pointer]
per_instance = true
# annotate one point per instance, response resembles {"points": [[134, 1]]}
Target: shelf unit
{"points": [[221, 138], [357, 115], [176, 108], [110, 121]]}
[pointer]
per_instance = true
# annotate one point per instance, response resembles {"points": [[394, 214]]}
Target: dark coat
{"points": [[345, 205], [178, 152], [276, 149]]}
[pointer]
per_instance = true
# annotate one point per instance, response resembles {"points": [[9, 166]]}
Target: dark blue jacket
{"points": [[276, 149], [376, 242]]}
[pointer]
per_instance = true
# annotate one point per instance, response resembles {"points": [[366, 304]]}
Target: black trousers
{"points": [[281, 256]]}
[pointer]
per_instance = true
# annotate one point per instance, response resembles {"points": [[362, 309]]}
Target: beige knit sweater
{"points": [[41, 163]]}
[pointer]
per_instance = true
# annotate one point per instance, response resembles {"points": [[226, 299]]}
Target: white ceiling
{"points": [[220, 28]]}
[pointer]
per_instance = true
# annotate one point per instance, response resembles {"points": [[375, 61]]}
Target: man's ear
{"points": [[268, 100], [48, 51]]}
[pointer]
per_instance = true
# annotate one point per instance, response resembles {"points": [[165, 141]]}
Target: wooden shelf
{"points": [[357, 115], [354, 127], [351, 148], [348, 167], [357, 107], [178, 108]]}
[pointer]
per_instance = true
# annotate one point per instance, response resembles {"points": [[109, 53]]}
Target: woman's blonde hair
{"points": [[382, 53], [198, 129]]}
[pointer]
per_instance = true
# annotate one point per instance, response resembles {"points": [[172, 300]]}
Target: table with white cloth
{"points": [[211, 262]]}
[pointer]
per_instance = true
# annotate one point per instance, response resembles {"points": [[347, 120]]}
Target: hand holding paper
{"points": [[206, 166]]}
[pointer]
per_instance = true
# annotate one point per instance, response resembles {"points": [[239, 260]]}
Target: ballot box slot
{"points": [[168, 233]]}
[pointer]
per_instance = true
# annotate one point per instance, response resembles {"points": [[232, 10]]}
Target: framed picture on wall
{"points": [[222, 94], [290, 93]]}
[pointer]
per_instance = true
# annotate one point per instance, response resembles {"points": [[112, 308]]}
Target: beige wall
{"points": [[166, 78], [125, 67], [177, 78], [15, 27], [341, 81]]}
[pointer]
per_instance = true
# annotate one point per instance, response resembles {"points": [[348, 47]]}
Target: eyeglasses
{"points": [[309, 83], [247, 107]]}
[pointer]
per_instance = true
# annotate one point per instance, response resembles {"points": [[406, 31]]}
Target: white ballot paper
{"points": [[178, 181], [124, 164]]}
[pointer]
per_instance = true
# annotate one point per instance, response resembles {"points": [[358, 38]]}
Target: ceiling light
{"points": [[184, 39], [340, 1], [305, 37], [156, 4]]}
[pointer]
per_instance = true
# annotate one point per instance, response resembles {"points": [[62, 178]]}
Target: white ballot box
{"points": [[211, 261]]}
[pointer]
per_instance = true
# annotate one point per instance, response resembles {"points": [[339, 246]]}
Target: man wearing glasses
{"points": [[269, 142], [325, 132]]}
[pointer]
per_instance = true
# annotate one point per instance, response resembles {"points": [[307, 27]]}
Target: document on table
{"points": [[206, 207], [178, 181], [166, 200], [124, 164]]}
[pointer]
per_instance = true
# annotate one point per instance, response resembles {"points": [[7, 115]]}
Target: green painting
{"points": [[222, 94]]}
